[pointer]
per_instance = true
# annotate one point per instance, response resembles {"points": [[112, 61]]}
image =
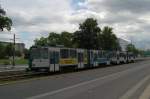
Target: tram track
{"points": [[21, 75]]}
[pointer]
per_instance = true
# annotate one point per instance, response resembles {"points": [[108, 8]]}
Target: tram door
{"points": [[80, 59], [54, 59], [95, 56]]}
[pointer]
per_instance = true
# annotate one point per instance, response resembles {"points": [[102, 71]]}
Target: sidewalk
{"points": [[146, 93]]}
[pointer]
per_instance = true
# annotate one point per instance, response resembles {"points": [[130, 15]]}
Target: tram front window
{"points": [[44, 53], [35, 53], [39, 53]]}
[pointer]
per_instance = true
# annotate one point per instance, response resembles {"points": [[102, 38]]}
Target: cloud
{"points": [[134, 6], [129, 18], [35, 18]]}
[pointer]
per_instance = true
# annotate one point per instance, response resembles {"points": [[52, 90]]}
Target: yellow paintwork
{"points": [[85, 60], [68, 61]]}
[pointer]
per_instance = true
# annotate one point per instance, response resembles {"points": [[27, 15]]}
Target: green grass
{"points": [[21, 61], [17, 61]]}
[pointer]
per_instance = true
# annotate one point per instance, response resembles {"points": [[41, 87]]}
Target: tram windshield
{"points": [[39, 53], [35, 54]]}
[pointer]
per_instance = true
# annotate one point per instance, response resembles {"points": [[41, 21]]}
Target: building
{"points": [[18, 46], [123, 43]]}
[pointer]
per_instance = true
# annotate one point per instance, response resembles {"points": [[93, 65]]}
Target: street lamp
{"points": [[14, 43]]}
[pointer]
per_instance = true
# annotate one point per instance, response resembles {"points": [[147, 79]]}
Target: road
{"points": [[127, 81]]}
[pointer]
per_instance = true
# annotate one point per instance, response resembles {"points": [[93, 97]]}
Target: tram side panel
{"points": [[68, 58]]}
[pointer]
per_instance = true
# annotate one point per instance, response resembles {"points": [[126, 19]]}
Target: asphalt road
{"points": [[116, 82]]}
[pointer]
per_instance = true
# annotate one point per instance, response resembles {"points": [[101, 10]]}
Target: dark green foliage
{"points": [[87, 35], [132, 48], [2, 51], [2, 12], [109, 40], [26, 53], [66, 39], [9, 49], [6, 51], [5, 22], [54, 39], [18, 53], [41, 42]]}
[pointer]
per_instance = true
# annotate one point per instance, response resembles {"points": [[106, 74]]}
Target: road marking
{"points": [[131, 91], [146, 93], [114, 76]]}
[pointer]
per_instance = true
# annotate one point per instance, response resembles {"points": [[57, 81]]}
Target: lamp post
{"points": [[14, 50]]}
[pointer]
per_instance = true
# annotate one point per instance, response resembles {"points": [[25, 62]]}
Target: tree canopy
{"points": [[109, 40], [88, 36], [132, 48], [6, 50], [5, 22], [54, 39]]}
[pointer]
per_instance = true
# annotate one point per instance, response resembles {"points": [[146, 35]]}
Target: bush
{"points": [[5, 62]]}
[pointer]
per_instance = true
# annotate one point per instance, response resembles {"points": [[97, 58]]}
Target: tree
{"points": [[26, 53], [2, 51], [53, 39], [5, 22], [2, 12], [66, 39], [9, 50], [109, 40], [41, 42], [132, 48], [87, 35], [18, 53]]}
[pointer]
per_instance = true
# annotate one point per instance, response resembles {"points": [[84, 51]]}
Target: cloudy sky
{"points": [[35, 18]]}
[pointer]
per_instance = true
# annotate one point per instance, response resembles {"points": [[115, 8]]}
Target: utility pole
{"points": [[14, 50]]}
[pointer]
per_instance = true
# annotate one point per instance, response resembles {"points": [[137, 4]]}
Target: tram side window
{"points": [[73, 53], [44, 53], [64, 53]]}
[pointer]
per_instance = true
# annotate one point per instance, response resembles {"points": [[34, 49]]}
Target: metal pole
{"points": [[14, 52]]}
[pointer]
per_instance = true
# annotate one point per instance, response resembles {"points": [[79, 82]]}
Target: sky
{"points": [[36, 18]]}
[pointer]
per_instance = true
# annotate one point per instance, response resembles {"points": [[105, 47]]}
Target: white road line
{"points": [[114, 75], [146, 93], [131, 91]]}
